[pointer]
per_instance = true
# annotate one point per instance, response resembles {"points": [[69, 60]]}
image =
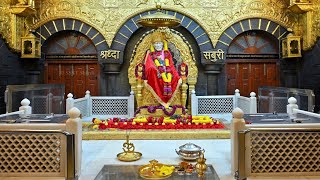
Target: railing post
{"points": [[74, 126], [131, 105], [194, 103], [49, 103], [236, 96], [89, 103], [69, 102], [253, 103], [25, 106], [292, 105], [237, 124], [6, 100]]}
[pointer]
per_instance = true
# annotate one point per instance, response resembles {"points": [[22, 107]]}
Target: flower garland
{"points": [[173, 122], [183, 70], [152, 109], [139, 71], [162, 62]]}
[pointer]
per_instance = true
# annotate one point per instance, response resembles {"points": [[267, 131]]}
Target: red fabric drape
{"points": [[157, 83]]}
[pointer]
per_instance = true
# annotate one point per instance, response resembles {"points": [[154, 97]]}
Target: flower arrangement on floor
{"points": [[173, 122]]}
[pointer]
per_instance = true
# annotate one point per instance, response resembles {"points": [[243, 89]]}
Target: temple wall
{"points": [[111, 18], [11, 71], [310, 72]]}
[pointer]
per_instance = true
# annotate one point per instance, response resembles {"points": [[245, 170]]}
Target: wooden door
{"points": [[78, 78], [244, 70], [71, 59], [248, 77]]}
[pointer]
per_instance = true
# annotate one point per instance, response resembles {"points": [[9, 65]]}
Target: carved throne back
{"points": [[182, 54]]}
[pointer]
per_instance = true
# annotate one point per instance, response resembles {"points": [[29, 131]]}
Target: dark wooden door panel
{"points": [[79, 80], [67, 77], [92, 79], [244, 78], [272, 74], [232, 80], [53, 74], [257, 71]]}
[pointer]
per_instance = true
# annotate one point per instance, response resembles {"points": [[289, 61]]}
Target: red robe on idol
{"points": [[154, 81]]}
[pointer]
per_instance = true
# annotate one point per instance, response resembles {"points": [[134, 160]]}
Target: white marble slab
{"points": [[98, 153]]}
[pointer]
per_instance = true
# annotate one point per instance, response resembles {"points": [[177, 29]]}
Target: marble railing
{"points": [[33, 149], [280, 147], [108, 106], [222, 104]]}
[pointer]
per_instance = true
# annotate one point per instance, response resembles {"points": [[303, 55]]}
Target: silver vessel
{"points": [[189, 151]]}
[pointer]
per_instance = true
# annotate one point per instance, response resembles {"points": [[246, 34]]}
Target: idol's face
{"points": [[158, 46]]}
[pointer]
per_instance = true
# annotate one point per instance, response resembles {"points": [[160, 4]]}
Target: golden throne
{"points": [[185, 64]]}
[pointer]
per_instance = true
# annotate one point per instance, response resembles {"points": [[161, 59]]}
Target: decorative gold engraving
{"points": [[214, 16]]}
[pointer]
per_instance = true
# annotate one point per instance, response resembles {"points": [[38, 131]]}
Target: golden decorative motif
{"points": [[214, 16], [315, 24], [5, 20]]}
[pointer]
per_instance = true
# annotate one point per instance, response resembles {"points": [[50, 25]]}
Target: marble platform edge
{"points": [[157, 134]]}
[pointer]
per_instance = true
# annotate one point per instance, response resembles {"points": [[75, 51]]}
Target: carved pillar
{"points": [[33, 77], [212, 71]]}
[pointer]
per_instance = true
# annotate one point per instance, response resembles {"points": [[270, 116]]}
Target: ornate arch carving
{"points": [[130, 26], [225, 39], [51, 27]]}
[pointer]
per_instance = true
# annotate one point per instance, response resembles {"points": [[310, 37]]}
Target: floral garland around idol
{"points": [[163, 67]]}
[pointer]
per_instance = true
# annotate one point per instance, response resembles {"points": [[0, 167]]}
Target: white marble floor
{"points": [[98, 153]]}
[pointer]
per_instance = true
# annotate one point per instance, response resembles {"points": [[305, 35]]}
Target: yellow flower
{"points": [[169, 121], [165, 170], [157, 62], [140, 120], [97, 121], [167, 62], [95, 127]]}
